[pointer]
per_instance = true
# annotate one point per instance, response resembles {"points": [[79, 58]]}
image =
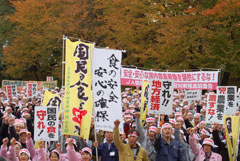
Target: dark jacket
{"points": [[107, 155], [167, 152], [221, 149]]}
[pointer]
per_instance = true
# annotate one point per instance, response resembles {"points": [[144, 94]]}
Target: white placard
{"points": [[160, 96], [193, 95], [11, 91], [231, 98], [106, 68], [32, 90], [46, 123]]}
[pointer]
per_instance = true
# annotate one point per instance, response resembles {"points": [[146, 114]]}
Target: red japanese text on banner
{"points": [[230, 93], [183, 80], [46, 123]]}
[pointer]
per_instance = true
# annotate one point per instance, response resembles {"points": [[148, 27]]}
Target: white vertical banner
{"points": [[166, 100], [231, 98], [160, 96], [211, 114], [193, 95], [215, 108], [11, 91], [46, 123], [14, 90], [32, 90], [106, 85]]}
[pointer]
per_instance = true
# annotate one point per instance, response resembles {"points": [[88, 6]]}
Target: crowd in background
{"points": [[181, 136]]}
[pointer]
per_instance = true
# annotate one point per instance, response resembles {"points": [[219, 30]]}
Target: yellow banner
{"points": [[144, 102], [21, 84], [78, 102], [231, 124]]}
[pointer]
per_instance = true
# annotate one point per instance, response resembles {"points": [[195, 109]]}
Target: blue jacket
{"points": [[107, 155], [167, 152]]}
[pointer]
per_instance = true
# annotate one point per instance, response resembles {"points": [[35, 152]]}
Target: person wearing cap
{"points": [[24, 155], [146, 139], [130, 151], [204, 133], [86, 154], [204, 153], [167, 149], [128, 118], [107, 150]]}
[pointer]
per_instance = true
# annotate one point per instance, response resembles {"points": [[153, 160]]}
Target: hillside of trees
{"points": [[172, 35]]}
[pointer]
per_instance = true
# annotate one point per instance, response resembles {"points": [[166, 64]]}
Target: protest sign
{"points": [[201, 80], [215, 108], [230, 93], [106, 65], [49, 79], [160, 96], [32, 90], [78, 102], [193, 95], [46, 123], [11, 91], [231, 124], [144, 102], [21, 84]]}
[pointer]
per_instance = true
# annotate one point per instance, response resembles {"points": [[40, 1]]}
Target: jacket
{"points": [[167, 152], [200, 154], [184, 147], [107, 155], [145, 142], [222, 150], [124, 150]]}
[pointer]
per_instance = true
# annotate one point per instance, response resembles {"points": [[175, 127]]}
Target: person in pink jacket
{"points": [[205, 152]]}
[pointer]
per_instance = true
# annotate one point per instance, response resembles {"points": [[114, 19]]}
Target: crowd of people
{"points": [[181, 136]]}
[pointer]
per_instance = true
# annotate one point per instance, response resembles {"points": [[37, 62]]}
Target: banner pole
{"points": [[94, 115], [159, 119], [63, 65]]}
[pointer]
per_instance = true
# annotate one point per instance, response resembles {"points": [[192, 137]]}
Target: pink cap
{"points": [[152, 128], [178, 114], [208, 141], [25, 151], [134, 133], [23, 131], [165, 125], [202, 122], [205, 132], [180, 119], [131, 106], [86, 149], [177, 101], [186, 107], [128, 116], [172, 121], [150, 119], [68, 139], [19, 122], [197, 114]]}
